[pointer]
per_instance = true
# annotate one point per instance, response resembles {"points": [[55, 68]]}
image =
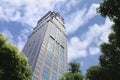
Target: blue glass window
{"points": [[53, 77], [38, 63], [56, 60], [62, 65], [36, 73], [61, 72], [54, 67], [42, 48], [50, 47], [61, 50], [57, 46], [62, 39], [40, 57], [34, 78], [37, 68], [56, 52], [45, 73], [49, 55], [47, 62], [54, 29], [51, 41]]}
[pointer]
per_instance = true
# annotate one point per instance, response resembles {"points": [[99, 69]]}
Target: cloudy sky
{"points": [[86, 29]]}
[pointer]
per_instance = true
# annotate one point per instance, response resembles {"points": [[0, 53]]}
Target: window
{"points": [[56, 60], [45, 74], [42, 48], [62, 39], [43, 45], [44, 42], [51, 41], [34, 78], [50, 47], [62, 58], [36, 73], [61, 54], [57, 46], [62, 65], [61, 50], [54, 76], [53, 32], [49, 55], [38, 63], [61, 72], [47, 62], [54, 67], [37, 68], [56, 52], [41, 51], [40, 57], [45, 38]]}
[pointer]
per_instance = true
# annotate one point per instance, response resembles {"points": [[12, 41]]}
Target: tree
{"points": [[110, 59], [97, 73], [93, 73], [74, 72], [13, 64], [110, 8], [74, 67]]}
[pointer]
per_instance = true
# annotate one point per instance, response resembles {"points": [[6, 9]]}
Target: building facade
{"points": [[46, 48]]}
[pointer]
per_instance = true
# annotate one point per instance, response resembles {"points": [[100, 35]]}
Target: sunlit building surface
{"points": [[46, 48]]}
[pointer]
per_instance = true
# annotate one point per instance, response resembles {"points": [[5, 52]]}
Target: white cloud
{"points": [[75, 20], [92, 11], [20, 43], [80, 17], [94, 50], [96, 34], [71, 4], [25, 11], [22, 38], [76, 49]]}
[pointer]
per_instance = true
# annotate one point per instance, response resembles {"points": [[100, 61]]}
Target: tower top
{"points": [[52, 14]]}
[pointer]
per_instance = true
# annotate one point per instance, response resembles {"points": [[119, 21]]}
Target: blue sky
{"points": [[85, 28]]}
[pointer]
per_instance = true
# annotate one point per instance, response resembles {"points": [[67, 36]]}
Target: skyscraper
{"points": [[46, 48]]}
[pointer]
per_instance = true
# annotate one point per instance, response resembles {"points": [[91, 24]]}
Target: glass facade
{"points": [[45, 73], [53, 76], [34, 78], [47, 48]]}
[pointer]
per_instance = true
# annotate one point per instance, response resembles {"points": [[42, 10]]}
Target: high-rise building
{"points": [[46, 48]]}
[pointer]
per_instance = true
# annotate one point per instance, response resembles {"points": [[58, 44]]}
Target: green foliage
{"points": [[67, 76], [72, 76], [74, 67], [93, 73], [74, 72], [109, 68], [98, 73], [77, 76], [13, 64], [110, 8]]}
